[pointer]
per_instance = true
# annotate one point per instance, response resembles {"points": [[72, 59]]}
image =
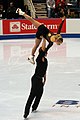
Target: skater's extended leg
{"points": [[28, 104], [38, 97], [31, 57], [33, 21]]}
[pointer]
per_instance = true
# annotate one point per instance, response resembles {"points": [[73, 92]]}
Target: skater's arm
{"points": [[60, 26], [48, 46]]}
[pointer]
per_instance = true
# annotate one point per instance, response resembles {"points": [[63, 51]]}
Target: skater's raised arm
{"points": [[60, 26]]}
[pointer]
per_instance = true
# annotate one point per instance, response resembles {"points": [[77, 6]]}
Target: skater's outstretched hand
{"points": [[63, 18], [20, 12]]}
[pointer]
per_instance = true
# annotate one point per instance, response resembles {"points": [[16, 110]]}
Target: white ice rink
{"points": [[63, 80]]}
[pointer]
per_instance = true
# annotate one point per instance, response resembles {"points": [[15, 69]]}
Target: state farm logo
{"points": [[15, 27], [25, 26]]}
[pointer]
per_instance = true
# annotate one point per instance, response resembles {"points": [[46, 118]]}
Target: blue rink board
{"points": [[6, 37]]}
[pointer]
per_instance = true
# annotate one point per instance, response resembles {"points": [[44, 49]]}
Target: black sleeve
{"points": [[48, 46], [60, 27]]}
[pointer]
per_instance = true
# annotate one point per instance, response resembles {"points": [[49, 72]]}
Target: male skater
{"points": [[38, 80]]}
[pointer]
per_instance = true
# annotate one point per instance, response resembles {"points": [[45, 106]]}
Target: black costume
{"points": [[37, 84], [46, 33]]}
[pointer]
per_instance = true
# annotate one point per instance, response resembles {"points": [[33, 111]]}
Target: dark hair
{"points": [[60, 40]]}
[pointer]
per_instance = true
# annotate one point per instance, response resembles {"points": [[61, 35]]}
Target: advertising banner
{"points": [[26, 27], [1, 30]]}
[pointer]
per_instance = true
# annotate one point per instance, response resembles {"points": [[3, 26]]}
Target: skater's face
{"points": [[58, 39], [58, 43]]}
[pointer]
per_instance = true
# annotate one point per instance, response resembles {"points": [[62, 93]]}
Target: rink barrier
{"points": [[24, 29], [7, 37]]}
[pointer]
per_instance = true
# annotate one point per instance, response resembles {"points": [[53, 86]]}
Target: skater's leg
{"points": [[30, 98], [31, 57], [38, 98], [28, 104], [37, 43], [33, 21]]}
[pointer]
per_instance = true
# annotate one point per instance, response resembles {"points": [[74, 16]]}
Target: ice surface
{"points": [[63, 80]]}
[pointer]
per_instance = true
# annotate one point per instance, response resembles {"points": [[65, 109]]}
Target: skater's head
{"points": [[57, 39]]}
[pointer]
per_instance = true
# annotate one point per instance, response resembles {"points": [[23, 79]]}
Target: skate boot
{"points": [[31, 59], [34, 110]]}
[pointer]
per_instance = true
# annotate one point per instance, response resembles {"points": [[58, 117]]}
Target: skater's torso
{"points": [[44, 32], [41, 65]]}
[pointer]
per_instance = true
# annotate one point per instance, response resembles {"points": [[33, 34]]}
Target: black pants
{"points": [[36, 92]]}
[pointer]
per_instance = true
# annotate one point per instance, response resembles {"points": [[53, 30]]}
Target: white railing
{"points": [[32, 8]]}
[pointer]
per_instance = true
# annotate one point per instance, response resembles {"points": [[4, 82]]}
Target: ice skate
{"points": [[31, 59], [34, 111]]}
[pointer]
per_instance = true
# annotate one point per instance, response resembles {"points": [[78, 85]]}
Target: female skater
{"points": [[42, 32]]}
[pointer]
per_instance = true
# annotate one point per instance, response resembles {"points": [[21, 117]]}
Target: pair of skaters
{"points": [[39, 78]]}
